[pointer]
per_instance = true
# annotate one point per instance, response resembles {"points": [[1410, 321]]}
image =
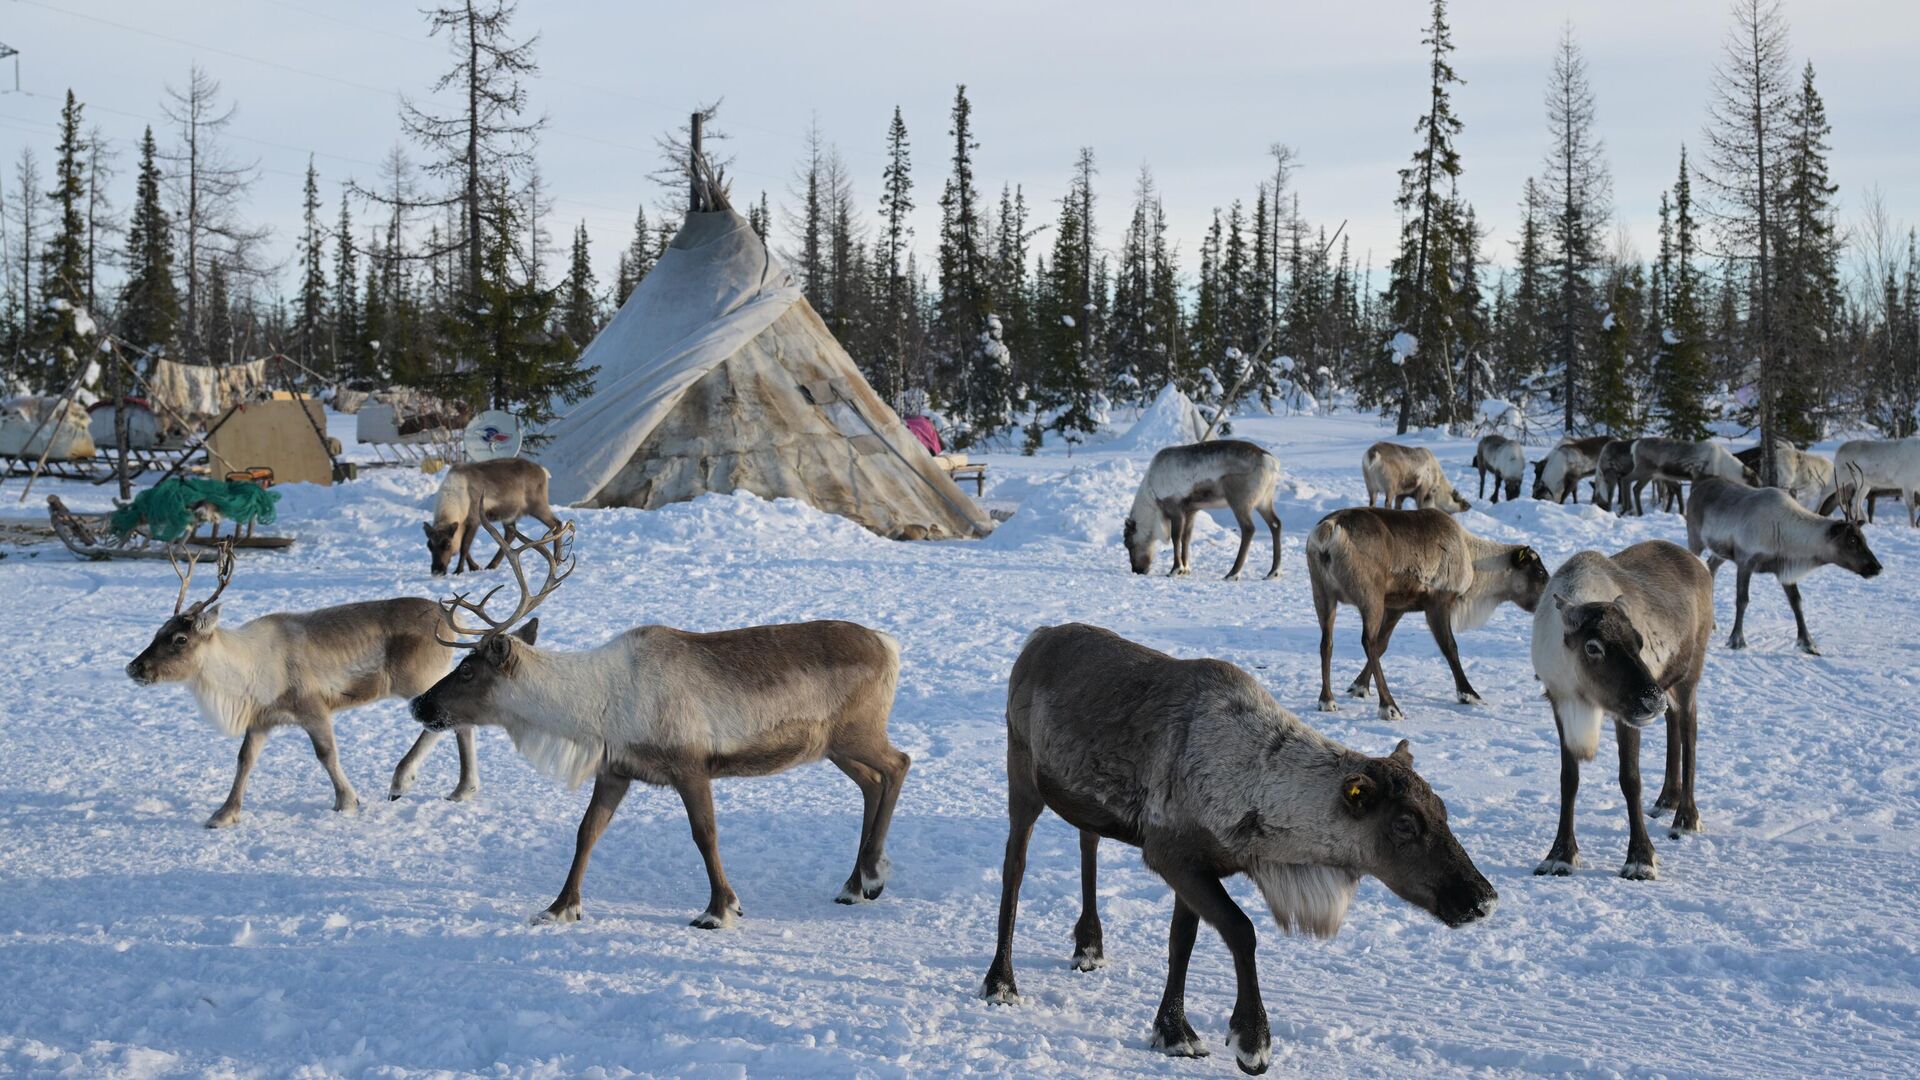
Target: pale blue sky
{"points": [[1196, 89]]}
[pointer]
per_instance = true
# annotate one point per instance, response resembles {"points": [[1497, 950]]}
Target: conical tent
{"points": [[717, 375]]}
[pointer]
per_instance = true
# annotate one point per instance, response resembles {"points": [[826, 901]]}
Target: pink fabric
{"points": [[922, 429]]}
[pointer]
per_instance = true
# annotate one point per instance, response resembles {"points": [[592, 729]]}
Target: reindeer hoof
{"points": [[1809, 648], [1177, 1039], [1089, 958], [1737, 641], [224, 819], [1273, 576], [568, 913], [707, 920], [462, 794], [1468, 697], [348, 805], [1684, 823], [1000, 992], [1360, 690], [1636, 870], [1327, 704], [1392, 713], [1553, 866], [1252, 1060]]}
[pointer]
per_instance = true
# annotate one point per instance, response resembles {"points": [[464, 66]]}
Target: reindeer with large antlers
{"points": [[298, 669], [677, 709]]}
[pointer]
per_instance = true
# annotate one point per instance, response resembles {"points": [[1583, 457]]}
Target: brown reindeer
{"points": [[1397, 473], [503, 490], [1389, 562], [298, 669], [678, 709]]}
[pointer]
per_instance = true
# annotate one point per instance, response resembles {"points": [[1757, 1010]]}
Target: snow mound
{"points": [[1086, 506], [1172, 420], [723, 523]]}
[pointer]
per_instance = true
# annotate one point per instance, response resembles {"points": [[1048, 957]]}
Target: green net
{"points": [[166, 508]]}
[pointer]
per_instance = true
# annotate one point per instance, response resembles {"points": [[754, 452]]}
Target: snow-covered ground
{"points": [[393, 942]]}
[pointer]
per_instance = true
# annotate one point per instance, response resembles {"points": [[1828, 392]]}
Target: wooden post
{"points": [[693, 164], [121, 436]]}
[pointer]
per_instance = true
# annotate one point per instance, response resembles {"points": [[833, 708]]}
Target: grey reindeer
{"points": [[1195, 764]]}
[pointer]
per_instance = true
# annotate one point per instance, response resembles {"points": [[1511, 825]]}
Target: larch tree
{"points": [[210, 190]]}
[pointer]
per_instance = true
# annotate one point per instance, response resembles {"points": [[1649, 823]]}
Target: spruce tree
{"points": [[350, 358], [149, 306], [1681, 381], [503, 327], [1420, 292], [310, 320], [580, 299], [896, 204], [63, 266], [1809, 301], [635, 261], [979, 392]]}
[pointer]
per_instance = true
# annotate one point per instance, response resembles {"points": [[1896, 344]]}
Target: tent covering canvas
{"points": [[717, 375]]}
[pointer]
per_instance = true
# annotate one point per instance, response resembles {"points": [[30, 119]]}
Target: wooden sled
{"points": [[88, 538]]}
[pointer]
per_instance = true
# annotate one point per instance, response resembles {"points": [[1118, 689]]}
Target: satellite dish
{"points": [[492, 434]]}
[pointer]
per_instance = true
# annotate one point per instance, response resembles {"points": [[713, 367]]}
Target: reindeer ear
{"points": [[1403, 754], [1359, 793], [206, 619], [497, 649], [427, 527], [529, 630]]}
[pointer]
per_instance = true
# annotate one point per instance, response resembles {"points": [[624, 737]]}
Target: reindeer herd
{"points": [[1193, 762]]}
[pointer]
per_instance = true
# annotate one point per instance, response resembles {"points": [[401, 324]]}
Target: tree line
{"points": [[1755, 309]]}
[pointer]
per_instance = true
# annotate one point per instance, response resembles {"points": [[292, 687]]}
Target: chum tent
{"points": [[717, 375]]}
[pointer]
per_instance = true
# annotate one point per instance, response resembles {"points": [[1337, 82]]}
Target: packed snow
{"points": [[393, 942]]}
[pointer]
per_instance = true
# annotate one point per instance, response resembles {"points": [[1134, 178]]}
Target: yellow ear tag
{"points": [[1353, 792]]}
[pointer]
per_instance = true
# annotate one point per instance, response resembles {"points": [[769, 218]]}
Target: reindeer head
{"points": [[465, 695], [1405, 841], [1607, 647], [1850, 550], [1539, 480], [1140, 540], [443, 544], [1528, 582], [175, 652]]}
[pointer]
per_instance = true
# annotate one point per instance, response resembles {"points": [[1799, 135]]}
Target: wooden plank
{"points": [[276, 435]]}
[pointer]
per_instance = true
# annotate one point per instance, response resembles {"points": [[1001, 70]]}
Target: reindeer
{"points": [[1557, 476], [1195, 764], [1389, 562], [1613, 480], [1396, 472], [1879, 467], [298, 669], [1184, 480], [1763, 530], [1677, 461], [504, 489], [678, 709], [1506, 460], [1808, 477], [1625, 636]]}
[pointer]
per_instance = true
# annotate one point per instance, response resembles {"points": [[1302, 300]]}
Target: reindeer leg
{"points": [[1089, 946], [320, 730], [409, 767], [608, 790], [1325, 608], [1202, 893], [469, 766], [1273, 526], [1024, 805], [1441, 623], [696, 793], [1800, 620], [465, 561], [1686, 815], [1245, 520], [889, 767], [1669, 796], [1738, 640], [1376, 647], [1385, 621], [1641, 864], [870, 788], [1563, 857], [250, 746], [1171, 1032]]}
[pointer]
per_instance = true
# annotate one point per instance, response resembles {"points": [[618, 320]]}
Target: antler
{"points": [[1855, 489], [555, 547], [223, 564]]}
